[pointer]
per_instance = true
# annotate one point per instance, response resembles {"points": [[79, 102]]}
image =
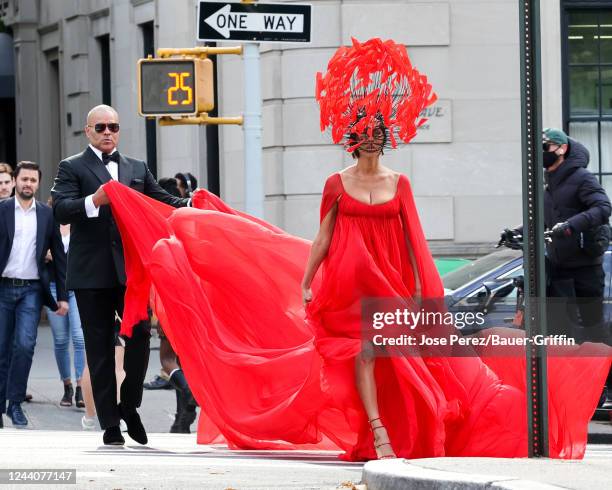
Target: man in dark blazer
{"points": [[27, 232], [96, 270]]}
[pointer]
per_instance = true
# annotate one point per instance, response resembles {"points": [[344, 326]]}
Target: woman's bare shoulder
{"points": [[348, 171], [392, 175]]}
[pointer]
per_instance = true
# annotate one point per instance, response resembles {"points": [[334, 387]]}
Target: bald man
{"points": [[96, 270]]}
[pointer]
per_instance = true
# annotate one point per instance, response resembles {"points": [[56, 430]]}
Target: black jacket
{"points": [[573, 194], [95, 257], [47, 237]]}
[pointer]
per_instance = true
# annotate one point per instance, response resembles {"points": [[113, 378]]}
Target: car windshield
{"points": [[479, 267]]}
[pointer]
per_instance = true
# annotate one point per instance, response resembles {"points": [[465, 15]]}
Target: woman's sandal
{"points": [[379, 452]]}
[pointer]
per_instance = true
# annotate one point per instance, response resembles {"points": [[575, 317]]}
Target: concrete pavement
{"points": [[158, 407], [593, 472], [54, 439], [172, 461]]}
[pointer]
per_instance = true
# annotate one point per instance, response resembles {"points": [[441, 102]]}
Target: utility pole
{"points": [[533, 227]]}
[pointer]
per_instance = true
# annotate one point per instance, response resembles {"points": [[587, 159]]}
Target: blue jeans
{"points": [[64, 327], [19, 316]]}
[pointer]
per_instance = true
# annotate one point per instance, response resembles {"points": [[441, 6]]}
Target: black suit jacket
{"points": [[47, 237], [95, 258]]}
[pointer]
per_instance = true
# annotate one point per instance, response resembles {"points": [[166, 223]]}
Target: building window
{"points": [[148, 43], [105, 68], [588, 84]]}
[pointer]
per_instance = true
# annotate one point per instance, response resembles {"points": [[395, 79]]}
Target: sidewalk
{"points": [[157, 409], [171, 461], [593, 472], [188, 465]]}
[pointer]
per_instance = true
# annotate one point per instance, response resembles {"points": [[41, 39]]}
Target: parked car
{"points": [[488, 285]]}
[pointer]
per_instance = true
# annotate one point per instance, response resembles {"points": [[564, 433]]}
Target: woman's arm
{"points": [[318, 251], [408, 202], [415, 269]]}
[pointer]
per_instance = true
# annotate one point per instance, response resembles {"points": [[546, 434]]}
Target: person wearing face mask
{"points": [[576, 209]]}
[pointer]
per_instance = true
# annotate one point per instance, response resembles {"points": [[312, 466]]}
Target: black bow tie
{"points": [[108, 158]]}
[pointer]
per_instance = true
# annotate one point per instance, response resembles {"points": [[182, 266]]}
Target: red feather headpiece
{"points": [[369, 83]]}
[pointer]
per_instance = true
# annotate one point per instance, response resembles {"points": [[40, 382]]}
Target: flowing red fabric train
{"points": [[226, 288]]}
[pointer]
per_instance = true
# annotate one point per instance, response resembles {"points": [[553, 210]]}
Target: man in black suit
{"points": [[96, 270], [27, 232]]}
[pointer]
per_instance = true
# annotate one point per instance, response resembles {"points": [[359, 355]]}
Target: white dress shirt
{"points": [[22, 260], [113, 169], [66, 242]]}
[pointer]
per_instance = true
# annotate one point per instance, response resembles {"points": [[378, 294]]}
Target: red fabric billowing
{"points": [[371, 80], [267, 375]]}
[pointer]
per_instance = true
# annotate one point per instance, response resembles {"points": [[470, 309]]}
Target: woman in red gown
{"points": [[362, 232], [269, 375]]}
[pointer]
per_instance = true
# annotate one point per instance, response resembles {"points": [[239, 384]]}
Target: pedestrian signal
{"points": [[175, 87]]}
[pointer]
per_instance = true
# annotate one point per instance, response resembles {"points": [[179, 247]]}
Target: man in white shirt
{"points": [[28, 231]]}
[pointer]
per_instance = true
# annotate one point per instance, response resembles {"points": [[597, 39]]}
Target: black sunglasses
{"points": [[101, 127]]}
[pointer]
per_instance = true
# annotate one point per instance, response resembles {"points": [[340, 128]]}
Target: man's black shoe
{"points": [[179, 382], [176, 427], [112, 437], [135, 428], [16, 414], [158, 383], [186, 418], [1, 422]]}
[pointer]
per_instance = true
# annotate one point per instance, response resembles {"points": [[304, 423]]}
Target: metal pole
{"points": [[533, 230], [253, 173], [202, 51]]}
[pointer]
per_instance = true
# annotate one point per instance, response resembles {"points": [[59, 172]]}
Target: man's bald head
{"points": [[101, 109], [99, 121]]}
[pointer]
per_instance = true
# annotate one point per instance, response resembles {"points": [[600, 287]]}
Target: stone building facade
{"points": [[465, 167]]}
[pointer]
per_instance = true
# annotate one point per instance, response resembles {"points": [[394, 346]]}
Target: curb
{"points": [[400, 474]]}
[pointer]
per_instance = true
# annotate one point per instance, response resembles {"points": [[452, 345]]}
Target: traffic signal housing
{"points": [[175, 86]]}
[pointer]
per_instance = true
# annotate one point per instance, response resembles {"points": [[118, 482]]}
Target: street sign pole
{"points": [[252, 23], [253, 172], [533, 229]]}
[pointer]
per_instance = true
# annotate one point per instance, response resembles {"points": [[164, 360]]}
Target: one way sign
{"points": [[268, 22]]}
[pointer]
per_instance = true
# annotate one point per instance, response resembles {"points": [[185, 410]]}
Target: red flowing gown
{"points": [[270, 375]]}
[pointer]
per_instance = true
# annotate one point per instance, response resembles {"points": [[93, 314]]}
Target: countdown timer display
{"points": [[175, 87]]}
